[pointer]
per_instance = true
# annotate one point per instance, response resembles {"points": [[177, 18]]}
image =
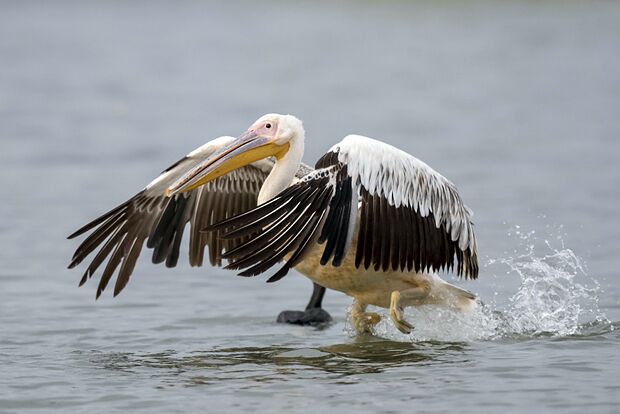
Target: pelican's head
{"points": [[272, 135]]}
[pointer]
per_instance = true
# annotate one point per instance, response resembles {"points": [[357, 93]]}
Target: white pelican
{"points": [[161, 220], [371, 221]]}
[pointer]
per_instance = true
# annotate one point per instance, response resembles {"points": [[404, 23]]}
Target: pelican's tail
{"points": [[452, 296]]}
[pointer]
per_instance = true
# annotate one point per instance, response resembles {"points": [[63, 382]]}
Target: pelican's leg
{"points": [[399, 300], [363, 321]]}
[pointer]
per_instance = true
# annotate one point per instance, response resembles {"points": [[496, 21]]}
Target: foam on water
{"points": [[555, 297]]}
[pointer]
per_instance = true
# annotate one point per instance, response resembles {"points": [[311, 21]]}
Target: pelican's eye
{"points": [[268, 125]]}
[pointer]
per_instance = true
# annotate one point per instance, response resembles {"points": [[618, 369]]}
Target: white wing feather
{"points": [[405, 180]]}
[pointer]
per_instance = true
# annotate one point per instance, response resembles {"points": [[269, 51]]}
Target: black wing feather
{"points": [[120, 234], [318, 208]]}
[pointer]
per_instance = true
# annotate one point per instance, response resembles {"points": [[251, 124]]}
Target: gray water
{"points": [[517, 102]]}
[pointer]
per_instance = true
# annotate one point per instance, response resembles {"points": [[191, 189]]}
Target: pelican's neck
{"points": [[283, 172]]}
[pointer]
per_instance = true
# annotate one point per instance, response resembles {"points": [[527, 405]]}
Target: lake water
{"points": [[518, 103]]}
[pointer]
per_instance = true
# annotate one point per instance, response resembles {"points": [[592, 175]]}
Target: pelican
{"points": [[150, 215], [370, 221]]}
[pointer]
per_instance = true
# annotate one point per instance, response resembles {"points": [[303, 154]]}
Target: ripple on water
{"points": [[365, 355]]}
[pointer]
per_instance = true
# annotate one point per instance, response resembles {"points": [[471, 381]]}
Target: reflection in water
{"points": [[365, 355]]}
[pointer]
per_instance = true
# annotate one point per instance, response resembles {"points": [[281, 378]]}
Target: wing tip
{"points": [[84, 278], [78, 232], [280, 273]]}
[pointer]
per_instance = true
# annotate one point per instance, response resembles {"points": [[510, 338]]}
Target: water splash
{"points": [[555, 297]]}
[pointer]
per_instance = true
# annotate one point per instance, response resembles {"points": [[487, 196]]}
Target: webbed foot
{"points": [[364, 322], [314, 313], [312, 316]]}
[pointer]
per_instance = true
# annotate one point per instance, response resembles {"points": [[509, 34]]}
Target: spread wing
{"points": [[405, 215], [118, 236]]}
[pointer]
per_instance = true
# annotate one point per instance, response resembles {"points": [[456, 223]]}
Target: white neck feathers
{"points": [[283, 172]]}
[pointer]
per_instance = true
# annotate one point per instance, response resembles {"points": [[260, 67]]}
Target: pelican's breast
{"points": [[366, 285]]}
